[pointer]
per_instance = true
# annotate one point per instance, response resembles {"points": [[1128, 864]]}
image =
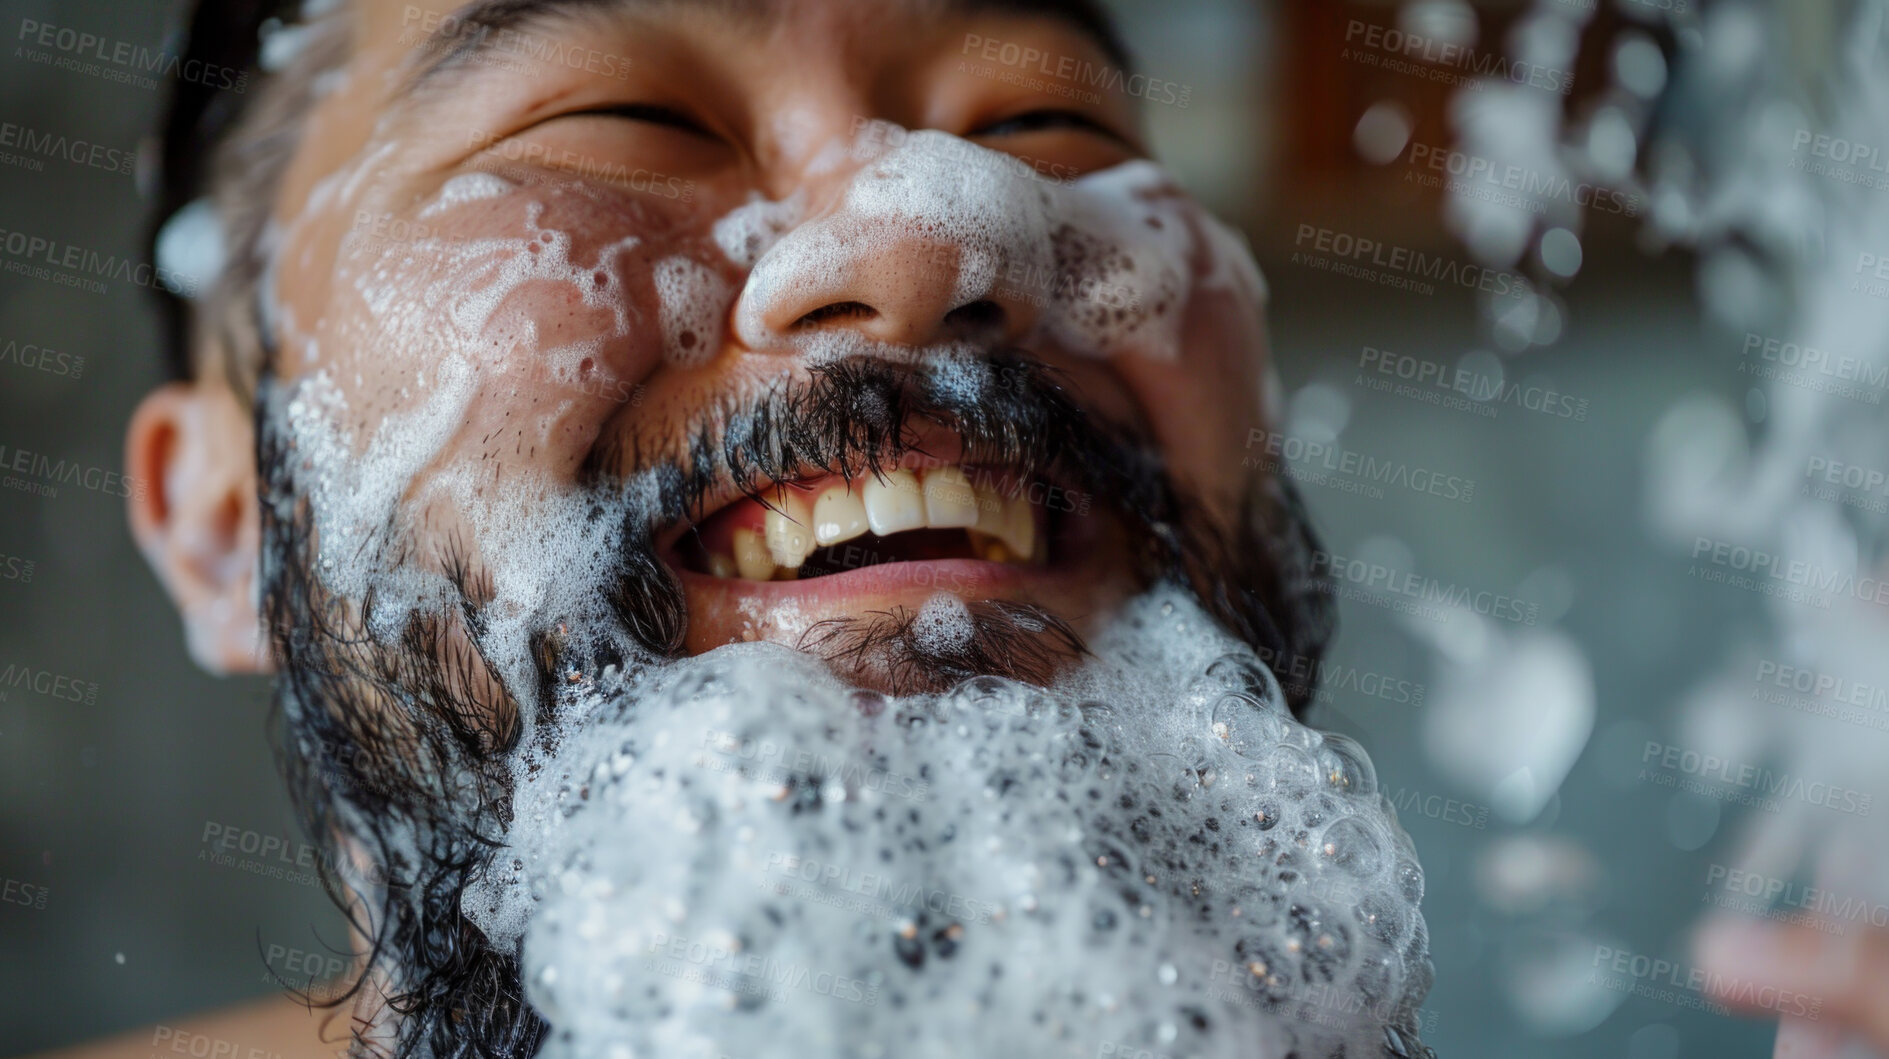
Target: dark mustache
{"points": [[860, 416], [1255, 569]]}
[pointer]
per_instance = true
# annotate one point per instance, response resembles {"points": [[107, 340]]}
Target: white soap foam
{"points": [[750, 230], [1282, 890], [436, 305], [738, 855], [1125, 240], [943, 624], [693, 298], [467, 187], [1105, 261]]}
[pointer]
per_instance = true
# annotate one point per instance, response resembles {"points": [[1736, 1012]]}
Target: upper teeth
{"points": [[939, 498]]}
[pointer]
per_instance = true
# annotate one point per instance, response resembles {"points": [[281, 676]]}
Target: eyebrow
{"points": [[481, 22], [474, 28]]}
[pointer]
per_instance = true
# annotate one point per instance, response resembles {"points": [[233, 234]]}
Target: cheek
{"points": [[1203, 406], [1172, 300], [518, 321]]}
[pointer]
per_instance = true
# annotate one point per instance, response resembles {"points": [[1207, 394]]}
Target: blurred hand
{"points": [[1845, 976]]}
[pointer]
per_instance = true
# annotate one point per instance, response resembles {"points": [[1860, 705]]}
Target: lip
{"points": [[728, 610], [1076, 581], [877, 587]]}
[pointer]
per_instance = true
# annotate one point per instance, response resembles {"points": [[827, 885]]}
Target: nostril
{"points": [[836, 311], [980, 315]]}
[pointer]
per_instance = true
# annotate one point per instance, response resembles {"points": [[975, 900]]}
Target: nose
{"points": [[915, 253], [892, 286]]}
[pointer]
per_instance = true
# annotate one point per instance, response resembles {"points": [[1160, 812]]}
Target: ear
{"points": [[192, 448]]}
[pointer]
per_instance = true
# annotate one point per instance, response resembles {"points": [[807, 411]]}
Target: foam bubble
{"points": [[740, 855], [748, 231], [943, 624], [692, 297], [467, 187], [1107, 262]]}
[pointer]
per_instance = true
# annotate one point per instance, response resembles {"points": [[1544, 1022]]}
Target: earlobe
{"points": [[191, 449]]}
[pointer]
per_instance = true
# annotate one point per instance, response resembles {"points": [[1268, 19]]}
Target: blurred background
{"points": [[121, 763]]}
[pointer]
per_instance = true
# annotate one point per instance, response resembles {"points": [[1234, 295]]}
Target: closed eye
{"points": [[1047, 118], [652, 113]]}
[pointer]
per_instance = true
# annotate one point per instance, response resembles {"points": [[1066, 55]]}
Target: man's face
{"points": [[607, 334], [520, 252]]}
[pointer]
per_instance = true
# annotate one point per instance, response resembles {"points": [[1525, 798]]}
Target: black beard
{"points": [[400, 742]]}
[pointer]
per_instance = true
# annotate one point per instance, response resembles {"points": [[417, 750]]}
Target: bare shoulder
{"points": [[273, 1028]]}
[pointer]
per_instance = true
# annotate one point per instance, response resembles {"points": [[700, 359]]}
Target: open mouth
{"points": [[855, 551], [826, 525]]}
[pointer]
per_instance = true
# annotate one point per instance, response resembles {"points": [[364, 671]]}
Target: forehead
{"points": [[458, 30], [411, 57]]}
